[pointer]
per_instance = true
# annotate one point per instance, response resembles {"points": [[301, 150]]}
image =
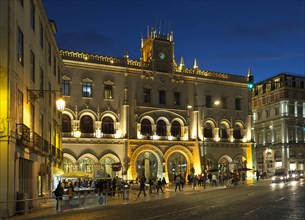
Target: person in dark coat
{"points": [[59, 192], [159, 185], [142, 187]]}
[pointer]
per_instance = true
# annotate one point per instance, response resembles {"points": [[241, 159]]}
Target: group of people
{"points": [[155, 185], [116, 185]]}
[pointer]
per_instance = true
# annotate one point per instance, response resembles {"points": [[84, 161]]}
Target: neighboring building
{"points": [[130, 118], [30, 138], [279, 123]]}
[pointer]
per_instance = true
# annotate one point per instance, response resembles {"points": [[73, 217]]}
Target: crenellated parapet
{"points": [[139, 64]]}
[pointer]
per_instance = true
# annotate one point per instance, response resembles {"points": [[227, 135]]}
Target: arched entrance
{"points": [[106, 167], [224, 164], [178, 160], [177, 165], [146, 160], [147, 165], [87, 164]]}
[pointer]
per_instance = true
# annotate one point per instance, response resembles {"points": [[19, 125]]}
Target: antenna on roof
{"points": [[156, 25], [147, 31], [169, 27], [160, 26]]}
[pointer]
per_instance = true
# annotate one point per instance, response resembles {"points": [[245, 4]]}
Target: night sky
{"points": [[224, 36]]}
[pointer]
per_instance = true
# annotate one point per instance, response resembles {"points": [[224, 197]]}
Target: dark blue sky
{"points": [[224, 36]]}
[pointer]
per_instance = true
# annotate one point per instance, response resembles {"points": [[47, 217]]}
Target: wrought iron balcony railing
{"points": [[23, 135]]}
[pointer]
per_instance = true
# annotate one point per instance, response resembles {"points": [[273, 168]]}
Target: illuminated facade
{"points": [[134, 113], [279, 120], [30, 139]]}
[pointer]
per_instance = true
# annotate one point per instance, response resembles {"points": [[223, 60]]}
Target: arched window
{"points": [[66, 123], [161, 128], [145, 127], [107, 125], [68, 165], [223, 131], [176, 129], [86, 165], [237, 132], [86, 124], [208, 131]]}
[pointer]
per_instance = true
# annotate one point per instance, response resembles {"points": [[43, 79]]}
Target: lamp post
{"points": [[203, 154]]}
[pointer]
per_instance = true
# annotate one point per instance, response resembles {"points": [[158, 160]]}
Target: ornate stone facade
{"points": [[139, 111]]}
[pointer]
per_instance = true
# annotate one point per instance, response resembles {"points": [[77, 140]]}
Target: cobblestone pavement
{"points": [[49, 208]]}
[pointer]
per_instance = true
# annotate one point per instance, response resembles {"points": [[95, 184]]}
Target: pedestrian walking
{"points": [[235, 178], [159, 185], [164, 182], [151, 185], [142, 187], [182, 182], [214, 180], [243, 176], [70, 190], [257, 175], [204, 180], [59, 192], [177, 181], [221, 178]]}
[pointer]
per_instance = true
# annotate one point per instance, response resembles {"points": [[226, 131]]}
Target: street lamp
{"points": [[33, 94], [203, 147]]}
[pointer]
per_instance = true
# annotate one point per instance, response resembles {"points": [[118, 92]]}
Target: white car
{"points": [[280, 176]]}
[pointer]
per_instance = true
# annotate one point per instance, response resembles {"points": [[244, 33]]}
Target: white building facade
{"points": [[279, 120]]}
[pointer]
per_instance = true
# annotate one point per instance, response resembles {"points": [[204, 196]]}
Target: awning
{"points": [[57, 171], [75, 175]]}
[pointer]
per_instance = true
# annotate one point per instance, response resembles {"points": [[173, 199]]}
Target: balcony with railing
{"points": [[45, 146], [53, 151], [37, 142], [59, 154], [23, 135]]}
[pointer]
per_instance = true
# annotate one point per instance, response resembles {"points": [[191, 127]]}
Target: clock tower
{"points": [[158, 50]]}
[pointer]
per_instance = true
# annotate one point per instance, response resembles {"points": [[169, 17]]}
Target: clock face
{"points": [[162, 55]]}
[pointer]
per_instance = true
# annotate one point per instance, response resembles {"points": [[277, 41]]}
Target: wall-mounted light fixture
{"points": [[77, 133], [33, 94]]}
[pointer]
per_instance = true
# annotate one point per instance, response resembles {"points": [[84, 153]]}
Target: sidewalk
{"points": [[49, 208]]}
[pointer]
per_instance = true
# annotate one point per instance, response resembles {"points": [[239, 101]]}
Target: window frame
{"points": [[162, 97], [87, 86], [65, 87], [146, 95], [237, 104], [177, 98], [208, 101], [20, 47], [108, 92], [32, 66]]}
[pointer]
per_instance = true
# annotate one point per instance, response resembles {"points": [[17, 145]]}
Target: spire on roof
{"points": [[126, 56], [249, 72], [181, 62], [195, 64]]}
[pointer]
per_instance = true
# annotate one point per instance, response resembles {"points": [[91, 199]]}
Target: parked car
{"points": [[293, 175], [279, 176]]}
